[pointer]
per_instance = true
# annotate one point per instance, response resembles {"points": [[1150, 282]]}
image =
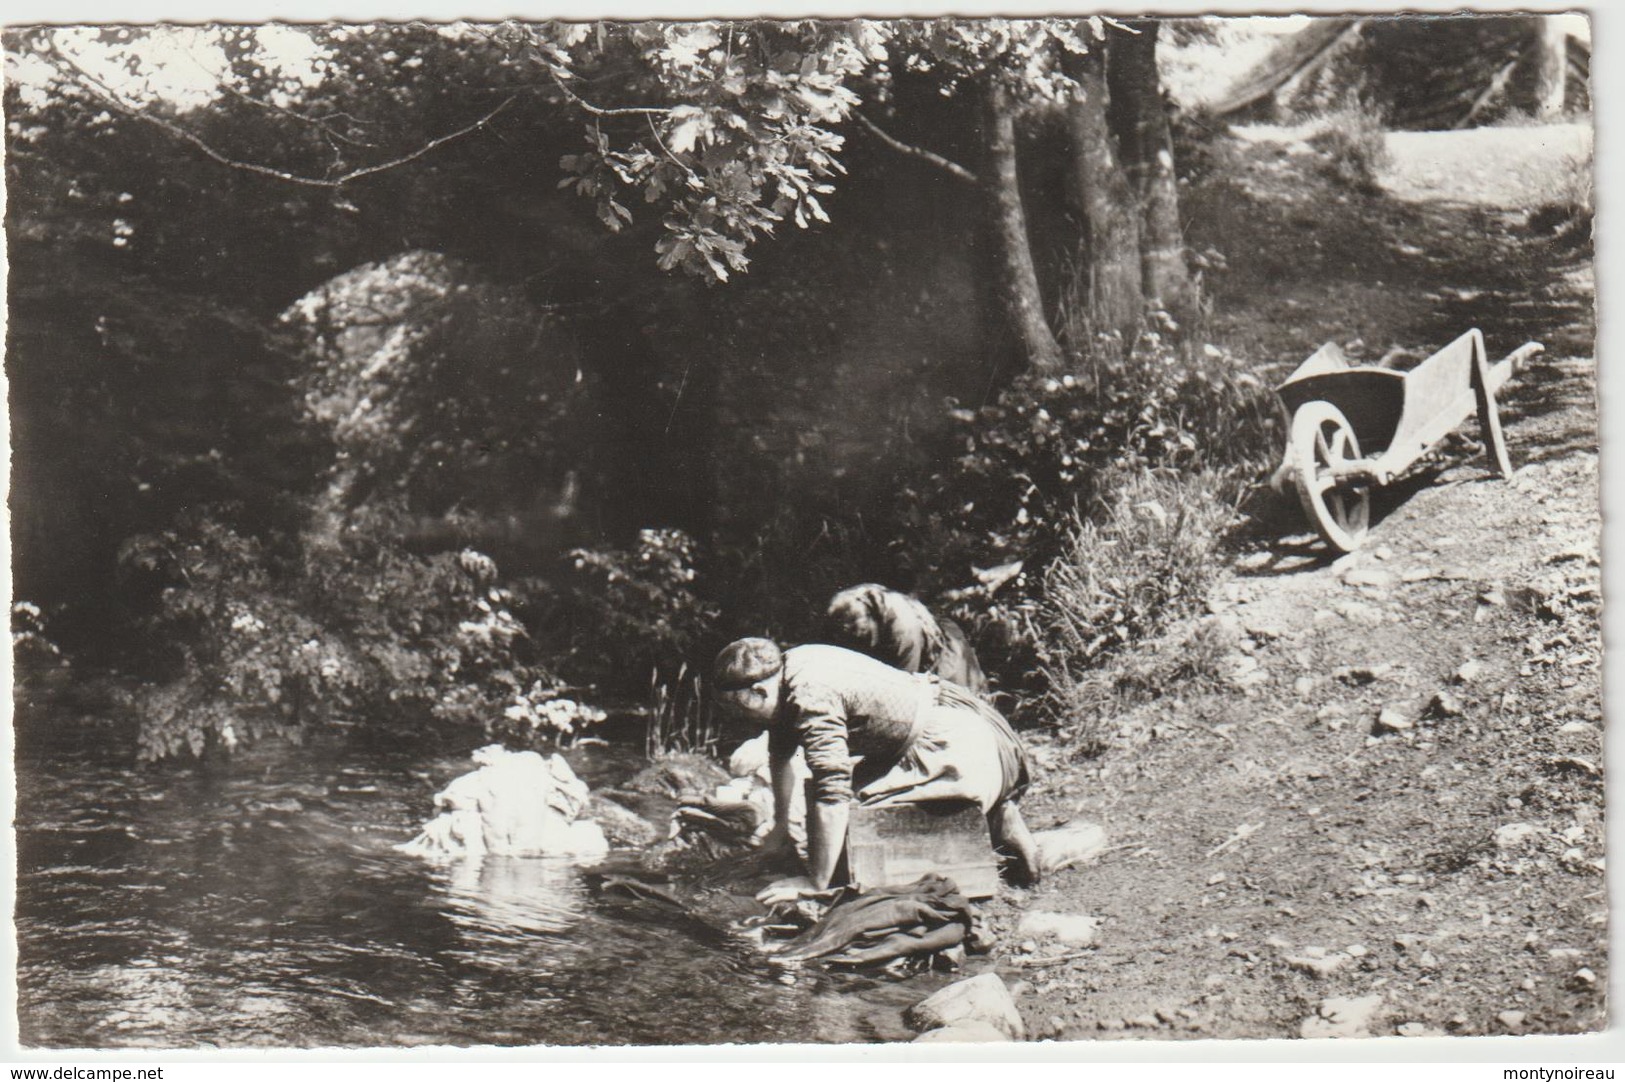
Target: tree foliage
{"points": [[377, 336]]}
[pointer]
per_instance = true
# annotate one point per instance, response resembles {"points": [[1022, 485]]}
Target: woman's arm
{"points": [[823, 734], [826, 837], [782, 767]]}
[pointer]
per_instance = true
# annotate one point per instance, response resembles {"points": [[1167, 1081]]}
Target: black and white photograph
{"points": [[842, 530]]}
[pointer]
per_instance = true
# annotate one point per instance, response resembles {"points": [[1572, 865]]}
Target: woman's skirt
{"points": [[963, 750]]}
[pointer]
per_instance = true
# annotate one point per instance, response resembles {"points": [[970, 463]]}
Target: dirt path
{"points": [[1477, 166], [1372, 804]]}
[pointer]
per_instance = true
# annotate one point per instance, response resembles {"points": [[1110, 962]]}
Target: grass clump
{"points": [[1569, 213], [679, 719], [1352, 142], [1148, 556]]}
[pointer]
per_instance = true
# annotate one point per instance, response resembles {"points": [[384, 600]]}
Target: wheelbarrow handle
{"points": [[1503, 370], [1523, 354]]}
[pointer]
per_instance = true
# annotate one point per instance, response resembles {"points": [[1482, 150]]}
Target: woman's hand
{"points": [[777, 842]]}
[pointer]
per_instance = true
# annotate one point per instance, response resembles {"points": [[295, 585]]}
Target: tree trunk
{"points": [[1148, 150], [1016, 276], [1106, 203], [1553, 68]]}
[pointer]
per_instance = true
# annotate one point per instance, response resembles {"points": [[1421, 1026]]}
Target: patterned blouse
{"points": [[839, 705]]}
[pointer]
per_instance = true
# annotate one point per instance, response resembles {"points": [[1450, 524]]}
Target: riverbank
{"points": [[1360, 796], [1363, 796]]}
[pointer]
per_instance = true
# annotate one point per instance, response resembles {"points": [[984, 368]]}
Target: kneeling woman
{"points": [[873, 734]]}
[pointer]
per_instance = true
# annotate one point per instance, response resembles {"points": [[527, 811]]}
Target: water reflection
{"points": [[507, 896], [260, 902]]}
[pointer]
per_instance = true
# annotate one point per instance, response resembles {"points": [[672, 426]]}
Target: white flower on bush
{"points": [[543, 707], [491, 626], [28, 629], [478, 565], [247, 622]]}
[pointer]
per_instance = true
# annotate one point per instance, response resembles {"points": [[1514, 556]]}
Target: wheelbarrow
{"points": [[1358, 426]]}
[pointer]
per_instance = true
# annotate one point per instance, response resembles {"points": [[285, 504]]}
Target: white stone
{"points": [[1262, 627], [971, 1032], [982, 998], [1417, 1029], [1358, 613], [1445, 705], [1377, 577], [1390, 720], [1073, 929], [1343, 1016], [1068, 846], [1318, 962], [1513, 835]]}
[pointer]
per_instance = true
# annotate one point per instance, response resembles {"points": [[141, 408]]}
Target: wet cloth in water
{"points": [[886, 923]]}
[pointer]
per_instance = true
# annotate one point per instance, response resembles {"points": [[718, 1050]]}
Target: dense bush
{"points": [[1352, 141], [1048, 457], [616, 615], [257, 642]]}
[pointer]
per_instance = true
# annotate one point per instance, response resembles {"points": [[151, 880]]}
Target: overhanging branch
{"points": [[108, 96], [952, 168], [628, 110]]}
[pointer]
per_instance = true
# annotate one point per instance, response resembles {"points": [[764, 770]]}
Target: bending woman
{"points": [[898, 629], [877, 735]]}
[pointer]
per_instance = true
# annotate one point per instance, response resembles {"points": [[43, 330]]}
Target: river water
{"points": [[258, 901]]}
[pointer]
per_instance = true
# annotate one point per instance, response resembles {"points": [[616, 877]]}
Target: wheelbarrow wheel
{"points": [[1321, 438]]}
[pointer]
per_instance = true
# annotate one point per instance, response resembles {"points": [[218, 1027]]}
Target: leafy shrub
{"points": [[1044, 448], [30, 645], [544, 713], [1048, 456], [618, 614], [1352, 142], [259, 643]]}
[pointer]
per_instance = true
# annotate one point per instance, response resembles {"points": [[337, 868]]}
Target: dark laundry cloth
{"points": [[878, 925]]}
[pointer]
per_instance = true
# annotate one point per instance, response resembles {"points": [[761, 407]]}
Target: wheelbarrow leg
{"points": [[1489, 417]]}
